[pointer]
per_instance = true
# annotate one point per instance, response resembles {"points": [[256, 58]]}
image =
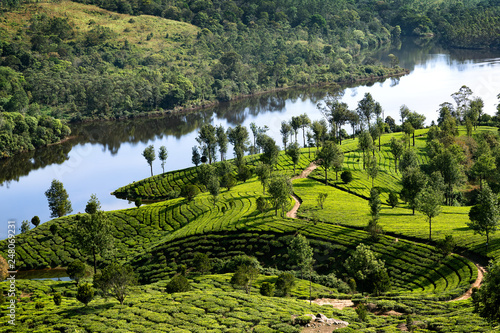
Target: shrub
{"points": [[53, 228], [321, 199], [262, 204], [346, 176], [201, 263], [138, 202], [267, 289], [35, 221], [242, 260], [393, 199], [57, 299], [39, 305], [302, 320], [189, 192], [284, 283], [362, 312], [178, 284], [85, 293], [76, 270], [245, 173]]}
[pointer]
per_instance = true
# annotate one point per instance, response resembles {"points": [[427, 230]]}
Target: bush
{"points": [[76, 270], [138, 202], [393, 199], [362, 312], [302, 320], [262, 204], [267, 289], [53, 228], [346, 176], [189, 192], [35, 221], [285, 283], [85, 293], [57, 299], [178, 284]]}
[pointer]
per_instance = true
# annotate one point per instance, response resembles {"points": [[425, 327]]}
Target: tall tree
{"points": [[417, 122], [150, 156], [195, 156], [280, 188], [304, 122], [263, 172], [484, 166], [58, 198], [329, 154], [396, 150], [115, 280], [162, 155], [270, 150], [372, 167], [365, 144], [92, 233], [413, 181], [208, 141], [336, 113], [294, 154], [462, 100], [300, 253], [408, 159], [285, 131], [367, 108], [451, 170], [404, 111], [238, 137], [319, 129], [485, 215], [296, 123], [428, 202], [222, 141], [475, 110], [487, 298]]}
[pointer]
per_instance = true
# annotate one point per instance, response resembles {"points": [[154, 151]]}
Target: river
{"points": [[107, 155]]}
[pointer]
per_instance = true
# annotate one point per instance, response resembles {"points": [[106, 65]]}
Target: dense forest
{"points": [[79, 62]]}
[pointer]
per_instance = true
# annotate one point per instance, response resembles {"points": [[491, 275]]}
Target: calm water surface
{"points": [[106, 156]]}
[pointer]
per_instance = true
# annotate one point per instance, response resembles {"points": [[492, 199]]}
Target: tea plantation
{"points": [[156, 239]]}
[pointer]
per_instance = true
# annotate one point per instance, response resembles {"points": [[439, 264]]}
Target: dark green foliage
{"points": [[346, 176], [35, 221], [201, 263], [115, 280], [25, 226], [189, 192], [280, 188], [321, 199], [245, 173], [178, 284], [76, 270], [484, 217], [241, 260], [284, 284], [228, 181], [58, 198], [195, 157], [262, 204], [446, 245], [150, 156], [374, 203], [393, 199], [138, 202], [39, 305], [85, 293], [362, 312], [53, 228], [267, 289], [57, 299], [244, 276], [487, 298]]}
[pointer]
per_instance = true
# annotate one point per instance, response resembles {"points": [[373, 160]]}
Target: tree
{"points": [[222, 141], [238, 137], [150, 156], [285, 283], [393, 199], [404, 111], [294, 154], [296, 123], [201, 263], [214, 188], [244, 277], [263, 172], [76, 270], [374, 203], [300, 253], [270, 150], [178, 284], [428, 202], [304, 122], [58, 198], [195, 157], [85, 293], [413, 180], [92, 234], [35, 221], [336, 113], [446, 163], [366, 108], [346, 176], [205, 172], [329, 156], [483, 167], [190, 192], [227, 181], [321, 199], [487, 298], [280, 188], [25, 226], [396, 150], [409, 130], [365, 144], [417, 122], [285, 131], [245, 173], [475, 111], [461, 97], [255, 132], [372, 168], [408, 159], [115, 281], [485, 215], [162, 155], [93, 205], [368, 271], [208, 141], [319, 129], [57, 299]]}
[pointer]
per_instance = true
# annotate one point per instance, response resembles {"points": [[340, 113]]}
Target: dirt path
{"points": [[336, 303], [477, 283], [293, 213]]}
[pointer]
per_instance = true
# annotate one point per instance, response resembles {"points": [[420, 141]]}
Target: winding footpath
{"points": [[293, 213], [342, 303]]}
